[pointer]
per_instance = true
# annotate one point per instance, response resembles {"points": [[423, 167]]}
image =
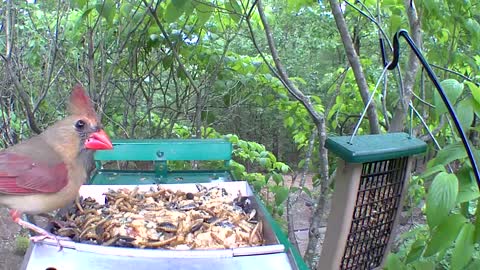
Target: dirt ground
{"points": [[11, 258]]}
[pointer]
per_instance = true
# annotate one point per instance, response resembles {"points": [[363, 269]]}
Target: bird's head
{"points": [[85, 122], [80, 132]]}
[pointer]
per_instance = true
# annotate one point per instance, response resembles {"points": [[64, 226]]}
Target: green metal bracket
{"points": [[369, 148], [161, 168], [160, 152], [167, 149]]}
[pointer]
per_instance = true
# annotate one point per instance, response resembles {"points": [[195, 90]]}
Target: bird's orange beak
{"points": [[98, 141]]}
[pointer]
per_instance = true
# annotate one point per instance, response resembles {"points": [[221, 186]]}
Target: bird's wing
{"points": [[20, 175]]}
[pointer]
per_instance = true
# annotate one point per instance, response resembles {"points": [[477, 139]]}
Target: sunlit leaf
{"points": [[468, 188], [172, 12], [441, 198], [464, 246], [204, 12], [444, 235], [107, 10], [416, 251], [448, 154], [453, 89], [464, 110]]}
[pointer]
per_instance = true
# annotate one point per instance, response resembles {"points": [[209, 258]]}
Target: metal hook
{"points": [[433, 78]]}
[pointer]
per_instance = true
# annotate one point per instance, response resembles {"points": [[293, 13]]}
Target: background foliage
{"points": [[203, 68]]}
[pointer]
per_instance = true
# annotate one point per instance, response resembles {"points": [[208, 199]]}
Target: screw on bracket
{"points": [[160, 154]]}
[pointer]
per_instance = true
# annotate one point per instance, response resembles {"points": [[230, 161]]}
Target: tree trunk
{"points": [[354, 61], [399, 116], [319, 119]]}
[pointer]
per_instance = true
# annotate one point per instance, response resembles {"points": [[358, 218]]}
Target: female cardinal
{"points": [[45, 172]]}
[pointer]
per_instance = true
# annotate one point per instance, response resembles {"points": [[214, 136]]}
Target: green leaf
{"points": [[265, 163], [423, 265], [257, 185], [473, 27], [284, 168], [474, 265], [475, 90], [468, 188], [477, 223], [179, 3], [107, 10], [441, 198], [301, 163], [444, 235], [432, 170], [125, 9], [464, 246], [295, 5], [279, 210], [394, 263], [289, 121], [448, 154], [453, 89], [85, 14], [307, 191], [78, 3], [277, 178], [281, 194], [464, 112], [172, 13], [416, 251], [204, 12], [395, 22], [235, 10]]}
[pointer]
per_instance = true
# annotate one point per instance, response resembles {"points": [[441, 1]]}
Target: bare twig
{"points": [[455, 73], [23, 97], [170, 44]]}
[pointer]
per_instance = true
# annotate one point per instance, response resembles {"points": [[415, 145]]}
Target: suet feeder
{"points": [[371, 181]]}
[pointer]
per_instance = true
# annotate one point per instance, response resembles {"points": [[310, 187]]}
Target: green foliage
{"points": [[453, 89], [268, 183], [464, 246], [138, 79], [441, 198], [444, 234]]}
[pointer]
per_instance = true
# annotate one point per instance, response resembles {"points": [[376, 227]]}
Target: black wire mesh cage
{"points": [[376, 206], [371, 178]]}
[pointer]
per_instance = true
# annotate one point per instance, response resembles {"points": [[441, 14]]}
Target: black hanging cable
{"points": [[384, 53], [431, 74]]}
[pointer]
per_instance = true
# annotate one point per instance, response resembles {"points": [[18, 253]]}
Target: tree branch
{"points": [[319, 120], [281, 72], [354, 61], [174, 51], [23, 97]]}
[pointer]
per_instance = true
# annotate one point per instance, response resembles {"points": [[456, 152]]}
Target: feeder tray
{"points": [[369, 187]]}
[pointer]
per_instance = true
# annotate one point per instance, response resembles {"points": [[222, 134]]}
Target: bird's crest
{"points": [[80, 103]]}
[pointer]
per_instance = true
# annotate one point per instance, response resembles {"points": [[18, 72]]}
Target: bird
{"points": [[45, 172]]}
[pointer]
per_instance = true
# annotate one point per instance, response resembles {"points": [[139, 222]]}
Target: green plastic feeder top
{"points": [[369, 148]]}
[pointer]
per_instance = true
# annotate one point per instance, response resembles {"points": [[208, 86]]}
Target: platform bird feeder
{"points": [[371, 181]]}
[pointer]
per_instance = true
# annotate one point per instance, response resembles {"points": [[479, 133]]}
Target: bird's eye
{"points": [[80, 124]]}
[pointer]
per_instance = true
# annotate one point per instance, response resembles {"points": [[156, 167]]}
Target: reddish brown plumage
{"points": [[45, 172], [20, 174], [80, 103]]}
